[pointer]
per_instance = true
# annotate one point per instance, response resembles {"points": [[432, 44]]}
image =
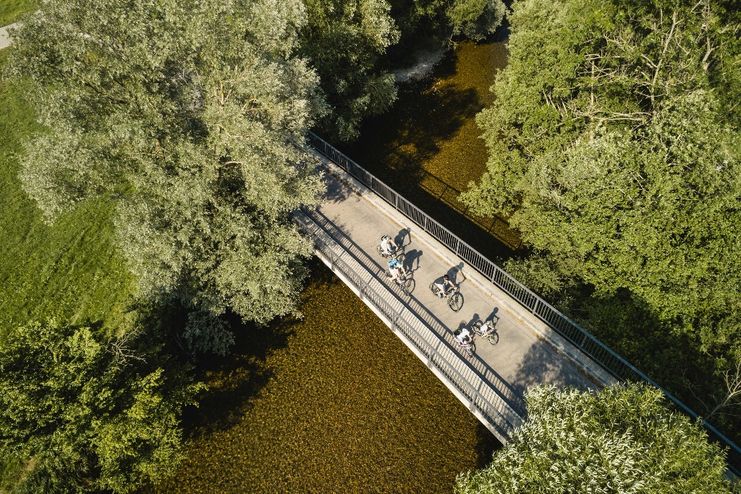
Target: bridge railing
{"points": [[563, 325], [480, 393]]}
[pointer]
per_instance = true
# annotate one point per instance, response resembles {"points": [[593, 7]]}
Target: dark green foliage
{"points": [[345, 41], [614, 148], [622, 439], [476, 19], [93, 413]]}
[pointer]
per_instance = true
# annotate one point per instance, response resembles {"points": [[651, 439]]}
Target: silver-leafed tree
{"points": [[189, 115]]}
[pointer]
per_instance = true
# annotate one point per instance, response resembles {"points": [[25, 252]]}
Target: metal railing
{"points": [[579, 337], [441, 353]]}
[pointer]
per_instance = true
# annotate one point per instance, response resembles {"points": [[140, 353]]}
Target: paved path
{"points": [[525, 355], [4, 37]]}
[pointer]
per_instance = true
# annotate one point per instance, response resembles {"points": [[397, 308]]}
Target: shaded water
{"points": [[428, 146], [332, 403]]}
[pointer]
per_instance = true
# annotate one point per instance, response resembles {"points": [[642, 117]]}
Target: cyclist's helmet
{"points": [[393, 263]]}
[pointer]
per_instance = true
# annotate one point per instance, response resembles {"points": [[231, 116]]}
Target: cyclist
{"points": [[388, 247], [444, 285], [464, 336], [396, 269]]}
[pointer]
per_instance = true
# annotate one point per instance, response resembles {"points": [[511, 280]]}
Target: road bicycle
{"points": [[453, 295], [405, 281], [486, 330]]}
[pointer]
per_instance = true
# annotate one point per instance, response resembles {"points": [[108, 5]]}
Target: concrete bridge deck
{"points": [[346, 229]]}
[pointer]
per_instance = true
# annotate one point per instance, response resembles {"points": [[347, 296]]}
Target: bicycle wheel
{"points": [[493, 338], [471, 349], [380, 252], [455, 301], [408, 285]]}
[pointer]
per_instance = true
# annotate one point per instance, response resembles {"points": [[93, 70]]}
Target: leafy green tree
{"points": [[190, 115], [345, 41], [622, 439], [613, 148], [91, 412], [476, 19]]}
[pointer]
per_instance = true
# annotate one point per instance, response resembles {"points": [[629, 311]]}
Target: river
{"points": [[335, 402]]}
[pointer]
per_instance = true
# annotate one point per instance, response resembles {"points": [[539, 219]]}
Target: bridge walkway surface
{"points": [[346, 229]]}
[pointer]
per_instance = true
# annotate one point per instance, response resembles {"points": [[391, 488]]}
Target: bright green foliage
{"points": [[345, 40], [622, 439], [476, 19], [90, 412], [190, 115], [614, 147]]}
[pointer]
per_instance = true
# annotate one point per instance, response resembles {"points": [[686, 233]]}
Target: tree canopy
{"points": [[613, 148], [622, 439], [345, 41], [93, 412], [190, 115]]}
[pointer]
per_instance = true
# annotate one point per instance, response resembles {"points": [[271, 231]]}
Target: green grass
{"points": [[71, 269], [10, 10]]}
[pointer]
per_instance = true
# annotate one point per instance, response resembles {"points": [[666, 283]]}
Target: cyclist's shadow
{"points": [[412, 257], [403, 238], [453, 274]]}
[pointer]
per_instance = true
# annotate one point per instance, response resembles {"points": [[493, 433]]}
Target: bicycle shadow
{"points": [[411, 257]]}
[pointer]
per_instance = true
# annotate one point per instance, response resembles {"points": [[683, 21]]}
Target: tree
{"points": [[346, 40], [91, 412], [191, 116], [616, 155], [476, 19], [622, 439]]}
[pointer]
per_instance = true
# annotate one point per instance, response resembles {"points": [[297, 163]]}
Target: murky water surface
{"points": [[428, 146], [332, 403]]}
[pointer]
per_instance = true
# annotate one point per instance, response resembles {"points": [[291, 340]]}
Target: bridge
{"points": [[357, 210], [537, 343]]}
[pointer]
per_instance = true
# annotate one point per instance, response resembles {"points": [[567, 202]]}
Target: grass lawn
{"points": [[10, 10], [69, 270]]}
